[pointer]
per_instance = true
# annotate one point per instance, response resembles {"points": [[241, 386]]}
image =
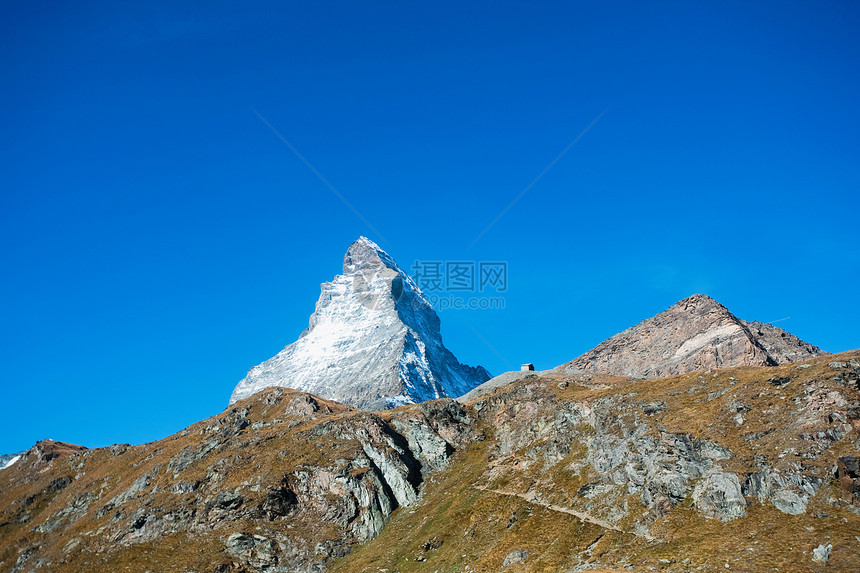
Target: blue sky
{"points": [[159, 240]]}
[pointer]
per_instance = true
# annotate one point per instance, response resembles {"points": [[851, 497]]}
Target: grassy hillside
{"points": [[557, 472]]}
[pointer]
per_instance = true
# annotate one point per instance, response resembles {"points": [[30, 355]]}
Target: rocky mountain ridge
{"points": [[373, 342], [740, 451], [755, 467], [696, 333]]}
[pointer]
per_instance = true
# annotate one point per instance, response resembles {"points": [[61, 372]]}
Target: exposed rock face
{"points": [[254, 551], [45, 451], [780, 345], [822, 553], [697, 333], [555, 471], [789, 494], [502, 379], [283, 481], [848, 472], [719, 496], [373, 342]]}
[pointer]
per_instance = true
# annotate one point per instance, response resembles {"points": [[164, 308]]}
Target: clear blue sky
{"points": [[159, 240]]}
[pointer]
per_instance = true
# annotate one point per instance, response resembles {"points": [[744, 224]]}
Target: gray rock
{"points": [[788, 493], [499, 381], [253, 550], [652, 408], [190, 454], [451, 421], [607, 452], [395, 474], [782, 346], [425, 444], [759, 485], [735, 406], [789, 502], [666, 485], [73, 511], [717, 394], [138, 487], [514, 557], [719, 496], [225, 507], [822, 553]]}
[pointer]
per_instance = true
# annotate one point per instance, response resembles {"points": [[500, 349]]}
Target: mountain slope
{"points": [[373, 342], [696, 333], [587, 472], [554, 472]]}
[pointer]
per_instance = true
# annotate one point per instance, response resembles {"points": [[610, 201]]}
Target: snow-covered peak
{"points": [[365, 260], [364, 253], [373, 341], [5, 463]]}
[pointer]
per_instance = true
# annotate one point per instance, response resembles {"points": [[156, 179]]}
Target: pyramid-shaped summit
{"points": [[373, 342], [696, 333]]}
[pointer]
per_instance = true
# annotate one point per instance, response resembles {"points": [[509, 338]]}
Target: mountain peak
{"points": [[373, 342], [695, 333], [365, 254], [698, 300], [699, 304]]}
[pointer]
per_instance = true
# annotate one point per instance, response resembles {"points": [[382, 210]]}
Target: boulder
{"points": [[514, 557], [789, 502], [822, 553], [253, 550], [719, 496]]}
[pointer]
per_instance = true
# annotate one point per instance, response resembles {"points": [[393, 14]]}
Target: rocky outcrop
{"points": [[848, 473], [622, 455], [821, 554], [312, 476], [255, 551], [719, 496], [697, 333], [499, 381], [617, 445], [555, 471], [780, 345], [373, 342], [790, 494]]}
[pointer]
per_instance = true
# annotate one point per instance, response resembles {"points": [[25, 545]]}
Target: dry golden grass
{"points": [[474, 522], [477, 526]]}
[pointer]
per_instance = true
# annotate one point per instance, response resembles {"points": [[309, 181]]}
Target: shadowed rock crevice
{"points": [[414, 475]]}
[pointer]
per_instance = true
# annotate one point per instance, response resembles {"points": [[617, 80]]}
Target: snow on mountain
{"points": [[373, 342], [8, 459]]}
